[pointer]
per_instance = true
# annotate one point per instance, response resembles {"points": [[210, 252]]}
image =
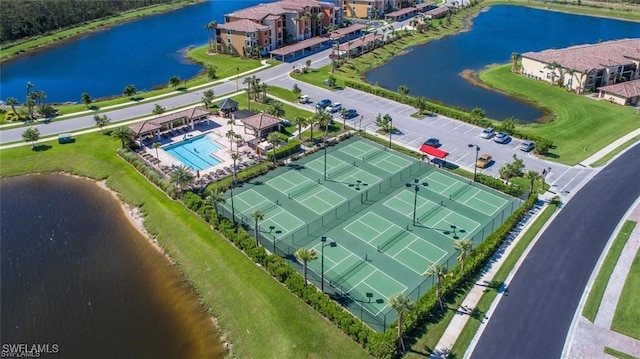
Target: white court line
{"points": [[466, 218], [430, 178], [372, 287], [486, 203]]}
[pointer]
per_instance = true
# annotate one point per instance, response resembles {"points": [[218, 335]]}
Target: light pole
{"points": [[390, 130], [323, 239], [325, 159], [233, 209], [475, 165], [416, 187], [237, 79]]}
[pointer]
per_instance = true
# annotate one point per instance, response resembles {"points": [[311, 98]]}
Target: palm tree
{"points": [[257, 216], [533, 176], [505, 173], [235, 157], [101, 121], [439, 271], [181, 177], [553, 66], [514, 60], [299, 121], [323, 118], [275, 109], [86, 99], [211, 27], [207, 98], [464, 247], [12, 101], [124, 134], [403, 90], [157, 145], [231, 136], [274, 140], [213, 199], [305, 256], [400, 303]]}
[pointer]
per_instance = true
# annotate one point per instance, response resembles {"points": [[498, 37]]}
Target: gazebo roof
{"points": [[227, 104], [261, 121]]}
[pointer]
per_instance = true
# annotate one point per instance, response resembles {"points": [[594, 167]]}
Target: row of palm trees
{"points": [[321, 119], [401, 303]]}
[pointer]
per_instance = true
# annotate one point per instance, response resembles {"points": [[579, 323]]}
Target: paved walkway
{"points": [[462, 315], [586, 339]]}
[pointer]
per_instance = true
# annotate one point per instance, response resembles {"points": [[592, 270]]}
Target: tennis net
{"points": [[375, 155], [302, 190], [355, 268], [391, 241], [457, 194], [430, 213]]}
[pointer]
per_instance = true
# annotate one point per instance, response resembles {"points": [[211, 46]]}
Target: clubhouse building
{"points": [[611, 69]]}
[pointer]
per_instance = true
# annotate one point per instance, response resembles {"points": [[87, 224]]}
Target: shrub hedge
{"points": [[445, 110], [379, 345]]}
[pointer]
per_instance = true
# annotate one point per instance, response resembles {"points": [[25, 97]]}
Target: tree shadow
{"points": [[94, 108], [41, 148]]}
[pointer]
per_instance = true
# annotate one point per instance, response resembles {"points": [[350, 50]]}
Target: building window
{"points": [[228, 40], [247, 43], [247, 34], [228, 32]]}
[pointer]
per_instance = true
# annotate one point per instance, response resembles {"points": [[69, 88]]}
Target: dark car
{"points": [[501, 137], [323, 103], [433, 142], [349, 114]]}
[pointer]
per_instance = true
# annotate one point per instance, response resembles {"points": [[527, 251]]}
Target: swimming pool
{"points": [[195, 153]]}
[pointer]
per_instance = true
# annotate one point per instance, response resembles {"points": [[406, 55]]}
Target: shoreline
{"points": [[135, 216]]}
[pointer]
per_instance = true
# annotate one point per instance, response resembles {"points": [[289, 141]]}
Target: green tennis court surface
{"points": [[366, 202]]}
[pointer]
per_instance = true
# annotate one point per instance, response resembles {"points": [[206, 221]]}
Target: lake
{"points": [[145, 52], [76, 273], [495, 34]]}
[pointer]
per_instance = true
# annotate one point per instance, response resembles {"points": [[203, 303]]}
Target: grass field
{"points": [[618, 354], [581, 125], [261, 317], [627, 315], [612, 154], [476, 318], [592, 304]]}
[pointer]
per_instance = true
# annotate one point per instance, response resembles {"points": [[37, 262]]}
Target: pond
{"points": [[75, 273], [494, 35]]}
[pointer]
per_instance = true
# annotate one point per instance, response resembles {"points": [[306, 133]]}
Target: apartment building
{"points": [[374, 9], [585, 67], [266, 27]]}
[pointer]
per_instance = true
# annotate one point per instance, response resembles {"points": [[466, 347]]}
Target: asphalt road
{"points": [[533, 318]]}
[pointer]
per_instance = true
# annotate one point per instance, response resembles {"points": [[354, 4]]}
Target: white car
{"points": [[488, 132], [334, 107], [305, 99]]}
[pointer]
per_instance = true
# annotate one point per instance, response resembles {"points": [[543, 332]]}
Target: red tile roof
{"points": [[346, 30], [626, 89], [259, 12], [588, 57], [438, 11], [354, 44], [285, 50], [261, 121], [243, 25], [156, 123]]}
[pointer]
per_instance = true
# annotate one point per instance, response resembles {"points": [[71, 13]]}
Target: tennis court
{"points": [[366, 202]]}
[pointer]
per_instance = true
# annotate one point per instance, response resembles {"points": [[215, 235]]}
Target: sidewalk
{"points": [[462, 315], [612, 146], [586, 339]]}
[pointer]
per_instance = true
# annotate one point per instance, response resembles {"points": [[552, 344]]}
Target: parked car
{"points": [[334, 107], [323, 103], [527, 146], [488, 132], [483, 161], [305, 99], [433, 142], [501, 137], [349, 114]]}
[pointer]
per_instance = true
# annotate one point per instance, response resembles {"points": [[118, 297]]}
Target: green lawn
{"points": [[627, 315], [592, 304], [581, 125], [612, 154], [470, 329], [283, 93], [618, 354], [260, 316]]}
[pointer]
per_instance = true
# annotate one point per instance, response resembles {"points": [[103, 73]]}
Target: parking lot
{"points": [[455, 136]]}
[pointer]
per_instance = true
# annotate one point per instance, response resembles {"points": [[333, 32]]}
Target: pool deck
{"points": [[218, 127]]}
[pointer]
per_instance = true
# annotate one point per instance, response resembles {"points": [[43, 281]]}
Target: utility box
{"points": [[65, 138]]}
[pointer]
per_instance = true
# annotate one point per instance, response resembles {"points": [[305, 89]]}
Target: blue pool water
{"points": [[195, 153]]}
